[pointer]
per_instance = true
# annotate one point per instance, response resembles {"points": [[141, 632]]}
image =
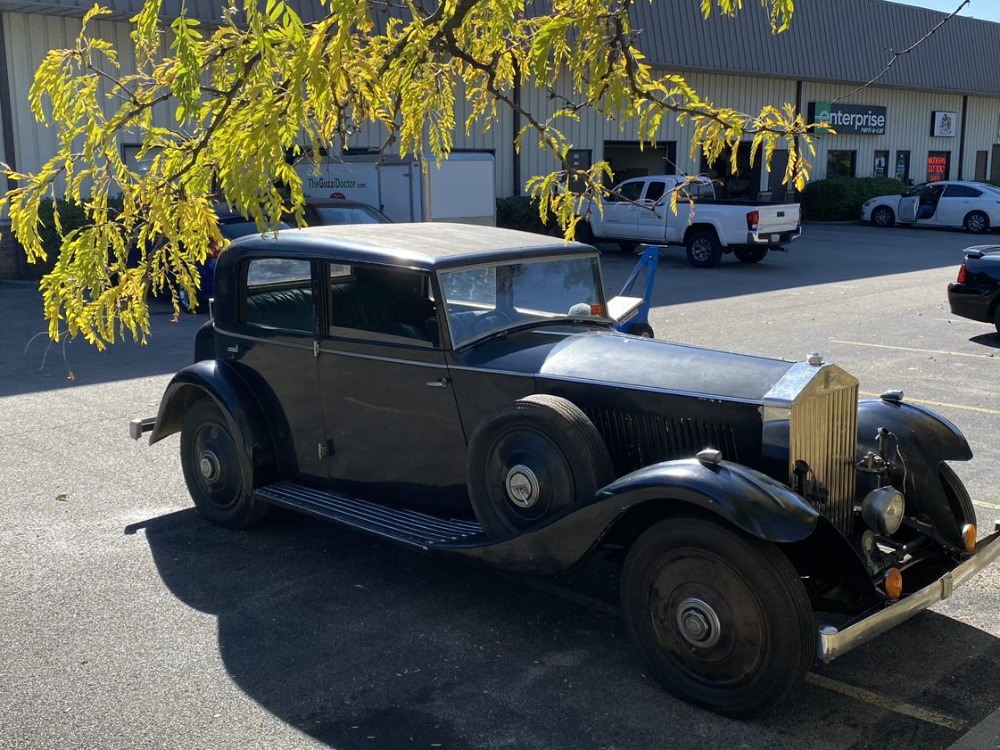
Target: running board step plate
{"points": [[409, 527]]}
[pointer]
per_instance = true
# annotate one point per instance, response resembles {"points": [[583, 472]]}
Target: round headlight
{"points": [[883, 509]]}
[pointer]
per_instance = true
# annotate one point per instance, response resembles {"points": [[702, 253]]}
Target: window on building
{"points": [[938, 165], [880, 164], [841, 163], [902, 171]]}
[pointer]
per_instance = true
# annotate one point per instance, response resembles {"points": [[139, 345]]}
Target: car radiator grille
{"points": [[637, 440], [823, 433]]}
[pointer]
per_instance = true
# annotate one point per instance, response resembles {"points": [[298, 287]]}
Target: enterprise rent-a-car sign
{"points": [[849, 118]]}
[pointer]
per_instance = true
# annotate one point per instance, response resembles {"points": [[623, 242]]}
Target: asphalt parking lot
{"points": [[128, 622]]}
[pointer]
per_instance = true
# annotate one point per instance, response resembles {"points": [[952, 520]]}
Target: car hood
{"points": [[629, 361]]}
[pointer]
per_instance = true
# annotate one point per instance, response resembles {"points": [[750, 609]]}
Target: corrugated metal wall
{"points": [[30, 35]]}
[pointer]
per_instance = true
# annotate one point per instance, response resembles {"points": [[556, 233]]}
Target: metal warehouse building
{"points": [[934, 114]]}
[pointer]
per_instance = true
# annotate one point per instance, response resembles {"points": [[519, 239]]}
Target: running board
{"points": [[408, 527]]}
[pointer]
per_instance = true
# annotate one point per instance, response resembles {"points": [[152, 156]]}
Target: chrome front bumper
{"points": [[831, 643]]}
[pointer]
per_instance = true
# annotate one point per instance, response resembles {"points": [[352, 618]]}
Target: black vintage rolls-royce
{"points": [[460, 389]]}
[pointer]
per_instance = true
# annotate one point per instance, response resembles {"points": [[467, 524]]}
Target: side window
{"points": [[279, 294], [630, 191], [381, 304], [655, 191], [961, 191]]}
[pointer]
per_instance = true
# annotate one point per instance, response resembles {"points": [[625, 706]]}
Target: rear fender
{"points": [[924, 440], [219, 382]]}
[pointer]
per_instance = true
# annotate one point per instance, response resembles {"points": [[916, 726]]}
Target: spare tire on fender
{"points": [[531, 459]]}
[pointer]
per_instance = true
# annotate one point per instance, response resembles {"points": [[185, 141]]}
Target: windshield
{"points": [[235, 229], [483, 300], [350, 215]]}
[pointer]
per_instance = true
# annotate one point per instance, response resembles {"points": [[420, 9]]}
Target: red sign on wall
{"points": [[938, 165]]}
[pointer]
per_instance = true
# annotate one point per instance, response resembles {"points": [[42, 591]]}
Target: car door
{"points": [[393, 432], [955, 203], [271, 343], [909, 204], [651, 217], [621, 212]]}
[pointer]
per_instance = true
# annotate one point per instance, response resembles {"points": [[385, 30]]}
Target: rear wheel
{"points": [[883, 216], [210, 459], [996, 318], [532, 459], [976, 222], [750, 254], [722, 618], [704, 249]]}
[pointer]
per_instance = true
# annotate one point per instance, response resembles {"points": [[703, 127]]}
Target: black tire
{"points": [[530, 460], [704, 249], [883, 216], [996, 319], [721, 617], [976, 222], [585, 233], [641, 329], [210, 459], [750, 254], [958, 496]]}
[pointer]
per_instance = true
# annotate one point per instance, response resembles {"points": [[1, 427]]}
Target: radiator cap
{"points": [[892, 397], [815, 359]]}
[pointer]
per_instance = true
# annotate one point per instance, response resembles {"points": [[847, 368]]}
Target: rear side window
{"points": [[961, 191], [279, 294]]}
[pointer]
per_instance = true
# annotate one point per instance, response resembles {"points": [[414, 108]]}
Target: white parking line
{"points": [[913, 349], [874, 699]]}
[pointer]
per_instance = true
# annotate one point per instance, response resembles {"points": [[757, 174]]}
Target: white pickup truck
{"points": [[638, 211]]}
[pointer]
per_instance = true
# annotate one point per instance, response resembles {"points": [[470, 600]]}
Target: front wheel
{"points": [[210, 459], [721, 617], [704, 249], [883, 216], [750, 254], [977, 222]]}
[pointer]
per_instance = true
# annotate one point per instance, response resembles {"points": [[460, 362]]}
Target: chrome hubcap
{"points": [[698, 624], [522, 486], [209, 466]]}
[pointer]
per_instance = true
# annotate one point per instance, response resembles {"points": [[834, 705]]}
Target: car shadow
{"points": [[991, 340], [359, 643]]}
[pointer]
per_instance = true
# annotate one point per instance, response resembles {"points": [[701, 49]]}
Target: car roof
{"points": [[424, 245]]}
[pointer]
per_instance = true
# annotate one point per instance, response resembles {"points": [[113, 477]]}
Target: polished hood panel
{"points": [[647, 363]]}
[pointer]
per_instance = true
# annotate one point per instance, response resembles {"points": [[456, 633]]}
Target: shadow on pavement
{"points": [[362, 644], [32, 362]]}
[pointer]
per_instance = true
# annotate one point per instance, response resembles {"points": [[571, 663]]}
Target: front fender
{"points": [[748, 499], [221, 383], [924, 441]]}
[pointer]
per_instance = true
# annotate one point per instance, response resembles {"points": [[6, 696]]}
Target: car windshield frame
{"points": [[483, 300]]}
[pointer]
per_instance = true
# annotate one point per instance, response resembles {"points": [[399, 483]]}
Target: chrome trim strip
{"points": [[831, 643], [263, 340]]}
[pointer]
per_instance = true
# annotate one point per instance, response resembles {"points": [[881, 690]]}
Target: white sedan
{"points": [[949, 203]]}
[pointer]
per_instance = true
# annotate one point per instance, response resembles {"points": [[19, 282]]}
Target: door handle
{"points": [[439, 383]]}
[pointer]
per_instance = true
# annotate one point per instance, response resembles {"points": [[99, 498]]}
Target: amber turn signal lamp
{"points": [[597, 310], [893, 584], [969, 537]]}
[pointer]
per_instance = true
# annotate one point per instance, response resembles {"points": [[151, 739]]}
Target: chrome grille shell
{"points": [[819, 403]]}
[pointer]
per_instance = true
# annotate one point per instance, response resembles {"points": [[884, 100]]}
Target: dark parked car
{"points": [[460, 389], [232, 226], [333, 212], [975, 294]]}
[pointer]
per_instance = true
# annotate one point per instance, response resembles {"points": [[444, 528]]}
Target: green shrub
{"points": [[841, 198], [521, 212]]}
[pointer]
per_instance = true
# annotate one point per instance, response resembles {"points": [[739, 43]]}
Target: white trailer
{"points": [[462, 189]]}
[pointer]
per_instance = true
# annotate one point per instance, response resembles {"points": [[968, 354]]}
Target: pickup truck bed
{"points": [[639, 212]]}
